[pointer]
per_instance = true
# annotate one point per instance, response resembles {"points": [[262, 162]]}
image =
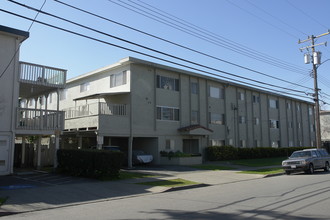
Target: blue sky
{"points": [[266, 29]]}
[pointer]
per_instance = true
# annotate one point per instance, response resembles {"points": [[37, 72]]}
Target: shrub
{"points": [[89, 163], [178, 153], [218, 153]]}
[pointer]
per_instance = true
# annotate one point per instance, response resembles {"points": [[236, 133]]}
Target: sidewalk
{"points": [[42, 196]]}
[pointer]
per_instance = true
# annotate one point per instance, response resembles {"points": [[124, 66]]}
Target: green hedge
{"points": [[218, 153], [90, 163]]}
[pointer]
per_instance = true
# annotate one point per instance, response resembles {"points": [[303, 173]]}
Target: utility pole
{"points": [[316, 60]]}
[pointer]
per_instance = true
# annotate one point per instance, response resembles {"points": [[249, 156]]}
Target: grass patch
{"points": [[265, 171], [3, 200], [170, 183], [259, 162], [212, 167], [133, 175]]}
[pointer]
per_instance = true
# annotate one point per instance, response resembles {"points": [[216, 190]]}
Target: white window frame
{"points": [[273, 103], [168, 83], [165, 113], [194, 88], [84, 87], [242, 119], [216, 92], [217, 142], [194, 117], [241, 96], [118, 79], [216, 118], [274, 124]]}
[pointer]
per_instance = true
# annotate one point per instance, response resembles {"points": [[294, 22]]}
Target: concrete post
{"points": [[23, 151], [39, 152]]}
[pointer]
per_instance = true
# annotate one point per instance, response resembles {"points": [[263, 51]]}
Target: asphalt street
{"points": [[298, 196]]}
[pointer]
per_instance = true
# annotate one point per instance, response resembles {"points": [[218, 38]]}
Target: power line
{"points": [[148, 55], [153, 50], [307, 15], [19, 46], [218, 42], [209, 33], [278, 19], [179, 45], [261, 19]]}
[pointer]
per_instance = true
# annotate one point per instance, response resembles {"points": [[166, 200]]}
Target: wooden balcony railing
{"points": [[34, 119], [42, 75], [99, 108]]}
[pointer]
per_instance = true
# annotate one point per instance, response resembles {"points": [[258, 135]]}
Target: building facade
{"points": [[136, 104], [22, 87]]}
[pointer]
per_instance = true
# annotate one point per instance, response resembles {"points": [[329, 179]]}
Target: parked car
{"points": [[140, 157], [110, 147], [307, 160]]}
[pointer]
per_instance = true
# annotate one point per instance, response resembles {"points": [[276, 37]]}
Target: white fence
{"points": [[98, 108], [32, 119]]}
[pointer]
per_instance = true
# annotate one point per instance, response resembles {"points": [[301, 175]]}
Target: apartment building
{"points": [[22, 86], [137, 104], [325, 128]]}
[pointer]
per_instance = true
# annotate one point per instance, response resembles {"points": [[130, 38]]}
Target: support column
{"points": [[23, 152], [39, 152], [129, 152], [57, 147], [99, 142], [79, 142]]}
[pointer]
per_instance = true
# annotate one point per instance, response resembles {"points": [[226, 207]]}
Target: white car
{"points": [[140, 157]]}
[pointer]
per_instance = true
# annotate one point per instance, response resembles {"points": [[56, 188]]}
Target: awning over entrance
{"points": [[195, 130], [99, 95]]}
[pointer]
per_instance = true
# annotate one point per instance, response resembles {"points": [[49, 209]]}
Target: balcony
{"points": [[38, 80], [44, 120], [98, 108], [109, 118]]}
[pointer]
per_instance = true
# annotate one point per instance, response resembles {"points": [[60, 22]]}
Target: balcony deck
{"points": [[38, 80], [39, 119]]}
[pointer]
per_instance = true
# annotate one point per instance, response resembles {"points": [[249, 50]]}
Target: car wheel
{"points": [[326, 168], [287, 172], [310, 169]]}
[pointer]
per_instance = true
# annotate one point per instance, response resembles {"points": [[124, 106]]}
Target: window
{"points": [[310, 111], [288, 105], [273, 103], [118, 79], [290, 124], [63, 94], [168, 113], [84, 87], [290, 143], [216, 92], [298, 107], [190, 146], [217, 118], [231, 142], [50, 98], [256, 121], [194, 88], [300, 143], [194, 117], [241, 119], [257, 143], [168, 83], [276, 144], [241, 96], [31, 102], [255, 99], [274, 124], [169, 144], [214, 142], [242, 143], [299, 125], [312, 128]]}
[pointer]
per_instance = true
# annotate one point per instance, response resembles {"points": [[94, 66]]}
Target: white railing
{"points": [[33, 119], [42, 75], [98, 108]]}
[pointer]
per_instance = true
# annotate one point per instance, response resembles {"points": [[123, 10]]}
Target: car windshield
{"points": [[301, 154]]}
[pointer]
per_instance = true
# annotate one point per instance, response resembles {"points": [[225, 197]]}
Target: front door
{"points": [[4, 155], [191, 146]]}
